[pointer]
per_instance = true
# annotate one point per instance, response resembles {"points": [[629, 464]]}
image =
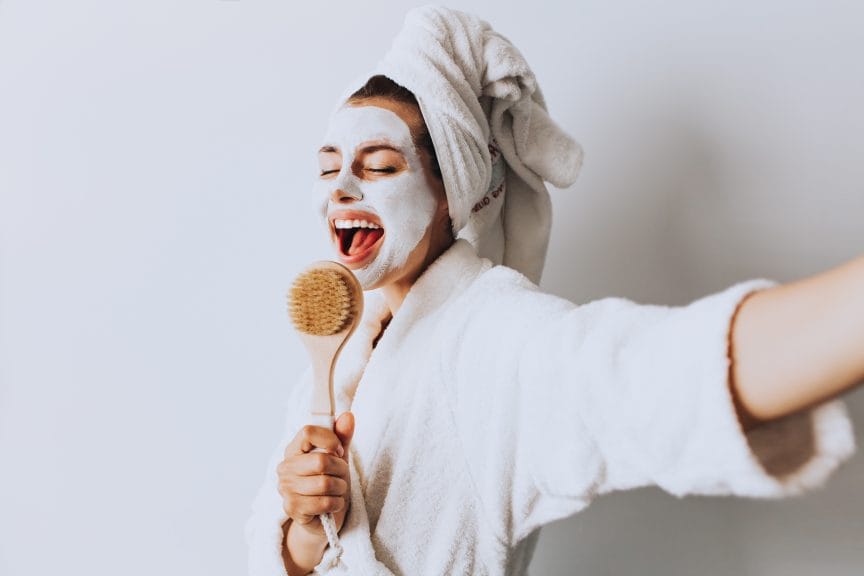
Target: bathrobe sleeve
{"points": [[614, 395], [263, 528]]}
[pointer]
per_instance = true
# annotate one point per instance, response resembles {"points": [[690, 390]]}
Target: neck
{"points": [[394, 292]]}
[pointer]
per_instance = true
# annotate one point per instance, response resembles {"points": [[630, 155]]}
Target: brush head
{"points": [[325, 299]]}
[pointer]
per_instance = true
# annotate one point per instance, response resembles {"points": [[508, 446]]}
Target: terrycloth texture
{"points": [[489, 409], [477, 93]]}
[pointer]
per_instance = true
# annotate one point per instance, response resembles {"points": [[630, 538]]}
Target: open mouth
{"points": [[357, 238]]}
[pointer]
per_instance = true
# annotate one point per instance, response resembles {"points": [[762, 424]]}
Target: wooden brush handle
{"points": [[322, 420]]}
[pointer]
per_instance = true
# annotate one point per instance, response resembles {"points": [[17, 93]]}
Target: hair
{"points": [[380, 86]]}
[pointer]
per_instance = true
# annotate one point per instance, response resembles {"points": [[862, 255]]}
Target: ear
{"points": [[442, 212], [446, 221], [443, 205]]}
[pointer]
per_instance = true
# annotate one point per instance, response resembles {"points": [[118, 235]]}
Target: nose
{"points": [[345, 189], [345, 193]]}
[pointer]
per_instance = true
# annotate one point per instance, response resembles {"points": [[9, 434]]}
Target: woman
{"points": [[486, 409]]}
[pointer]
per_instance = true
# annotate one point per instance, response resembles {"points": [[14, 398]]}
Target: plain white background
{"points": [[156, 161]]}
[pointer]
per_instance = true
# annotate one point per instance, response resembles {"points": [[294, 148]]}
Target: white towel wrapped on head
{"points": [[478, 95]]}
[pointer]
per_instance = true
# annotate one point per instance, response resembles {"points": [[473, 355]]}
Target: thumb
{"points": [[344, 429]]}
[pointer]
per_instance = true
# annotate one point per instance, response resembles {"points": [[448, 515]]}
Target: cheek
{"points": [[407, 200]]}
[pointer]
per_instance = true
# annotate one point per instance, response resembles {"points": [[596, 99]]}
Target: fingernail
{"points": [[340, 451]]}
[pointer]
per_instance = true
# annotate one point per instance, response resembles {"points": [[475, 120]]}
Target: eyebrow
{"points": [[365, 149], [376, 147]]}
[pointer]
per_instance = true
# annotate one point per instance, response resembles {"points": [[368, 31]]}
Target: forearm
{"points": [[301, 551], [796, 345]]}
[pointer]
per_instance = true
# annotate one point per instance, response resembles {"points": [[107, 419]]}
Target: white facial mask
{"points": [[404, 203]]}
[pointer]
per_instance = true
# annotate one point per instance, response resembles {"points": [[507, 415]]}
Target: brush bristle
{"points": [[321, 302]]}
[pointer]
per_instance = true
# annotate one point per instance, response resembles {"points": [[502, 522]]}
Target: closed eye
{"points": [[385, 170], [326, 172]]}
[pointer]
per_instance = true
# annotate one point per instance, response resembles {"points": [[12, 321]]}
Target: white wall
{"points": [[154, 162]]}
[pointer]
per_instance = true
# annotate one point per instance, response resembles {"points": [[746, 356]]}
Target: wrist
{"points": [[297, 534], [302, 549]]}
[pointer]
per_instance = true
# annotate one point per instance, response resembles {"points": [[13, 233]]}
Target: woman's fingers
{"points": [[312, 437], [305, 508], [312, 495], [319, 486], [313, 464], [313, 483], [344, 430]]}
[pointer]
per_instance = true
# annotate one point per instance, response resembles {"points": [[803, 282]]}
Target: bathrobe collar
{"points": [[444, 279], [367, 380]]}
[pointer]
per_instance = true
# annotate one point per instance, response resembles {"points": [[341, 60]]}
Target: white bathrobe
{"points": [[489, 409]]}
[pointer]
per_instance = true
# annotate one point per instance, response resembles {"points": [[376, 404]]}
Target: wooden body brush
{"points": [[325, 304]]}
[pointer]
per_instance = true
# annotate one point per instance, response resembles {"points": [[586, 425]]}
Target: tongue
{"points": [[357, 241], [363, 239]]}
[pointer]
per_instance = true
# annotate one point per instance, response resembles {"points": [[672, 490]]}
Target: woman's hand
{"points": [[315, 483]]}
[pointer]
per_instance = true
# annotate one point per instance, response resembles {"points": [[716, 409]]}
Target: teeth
{"points": [[354, 224]]}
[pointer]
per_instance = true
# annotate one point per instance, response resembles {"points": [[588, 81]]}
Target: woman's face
{"points": [[384, 209]]}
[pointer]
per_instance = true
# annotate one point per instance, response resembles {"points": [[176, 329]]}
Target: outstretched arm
{"points": [[796, 345]]}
